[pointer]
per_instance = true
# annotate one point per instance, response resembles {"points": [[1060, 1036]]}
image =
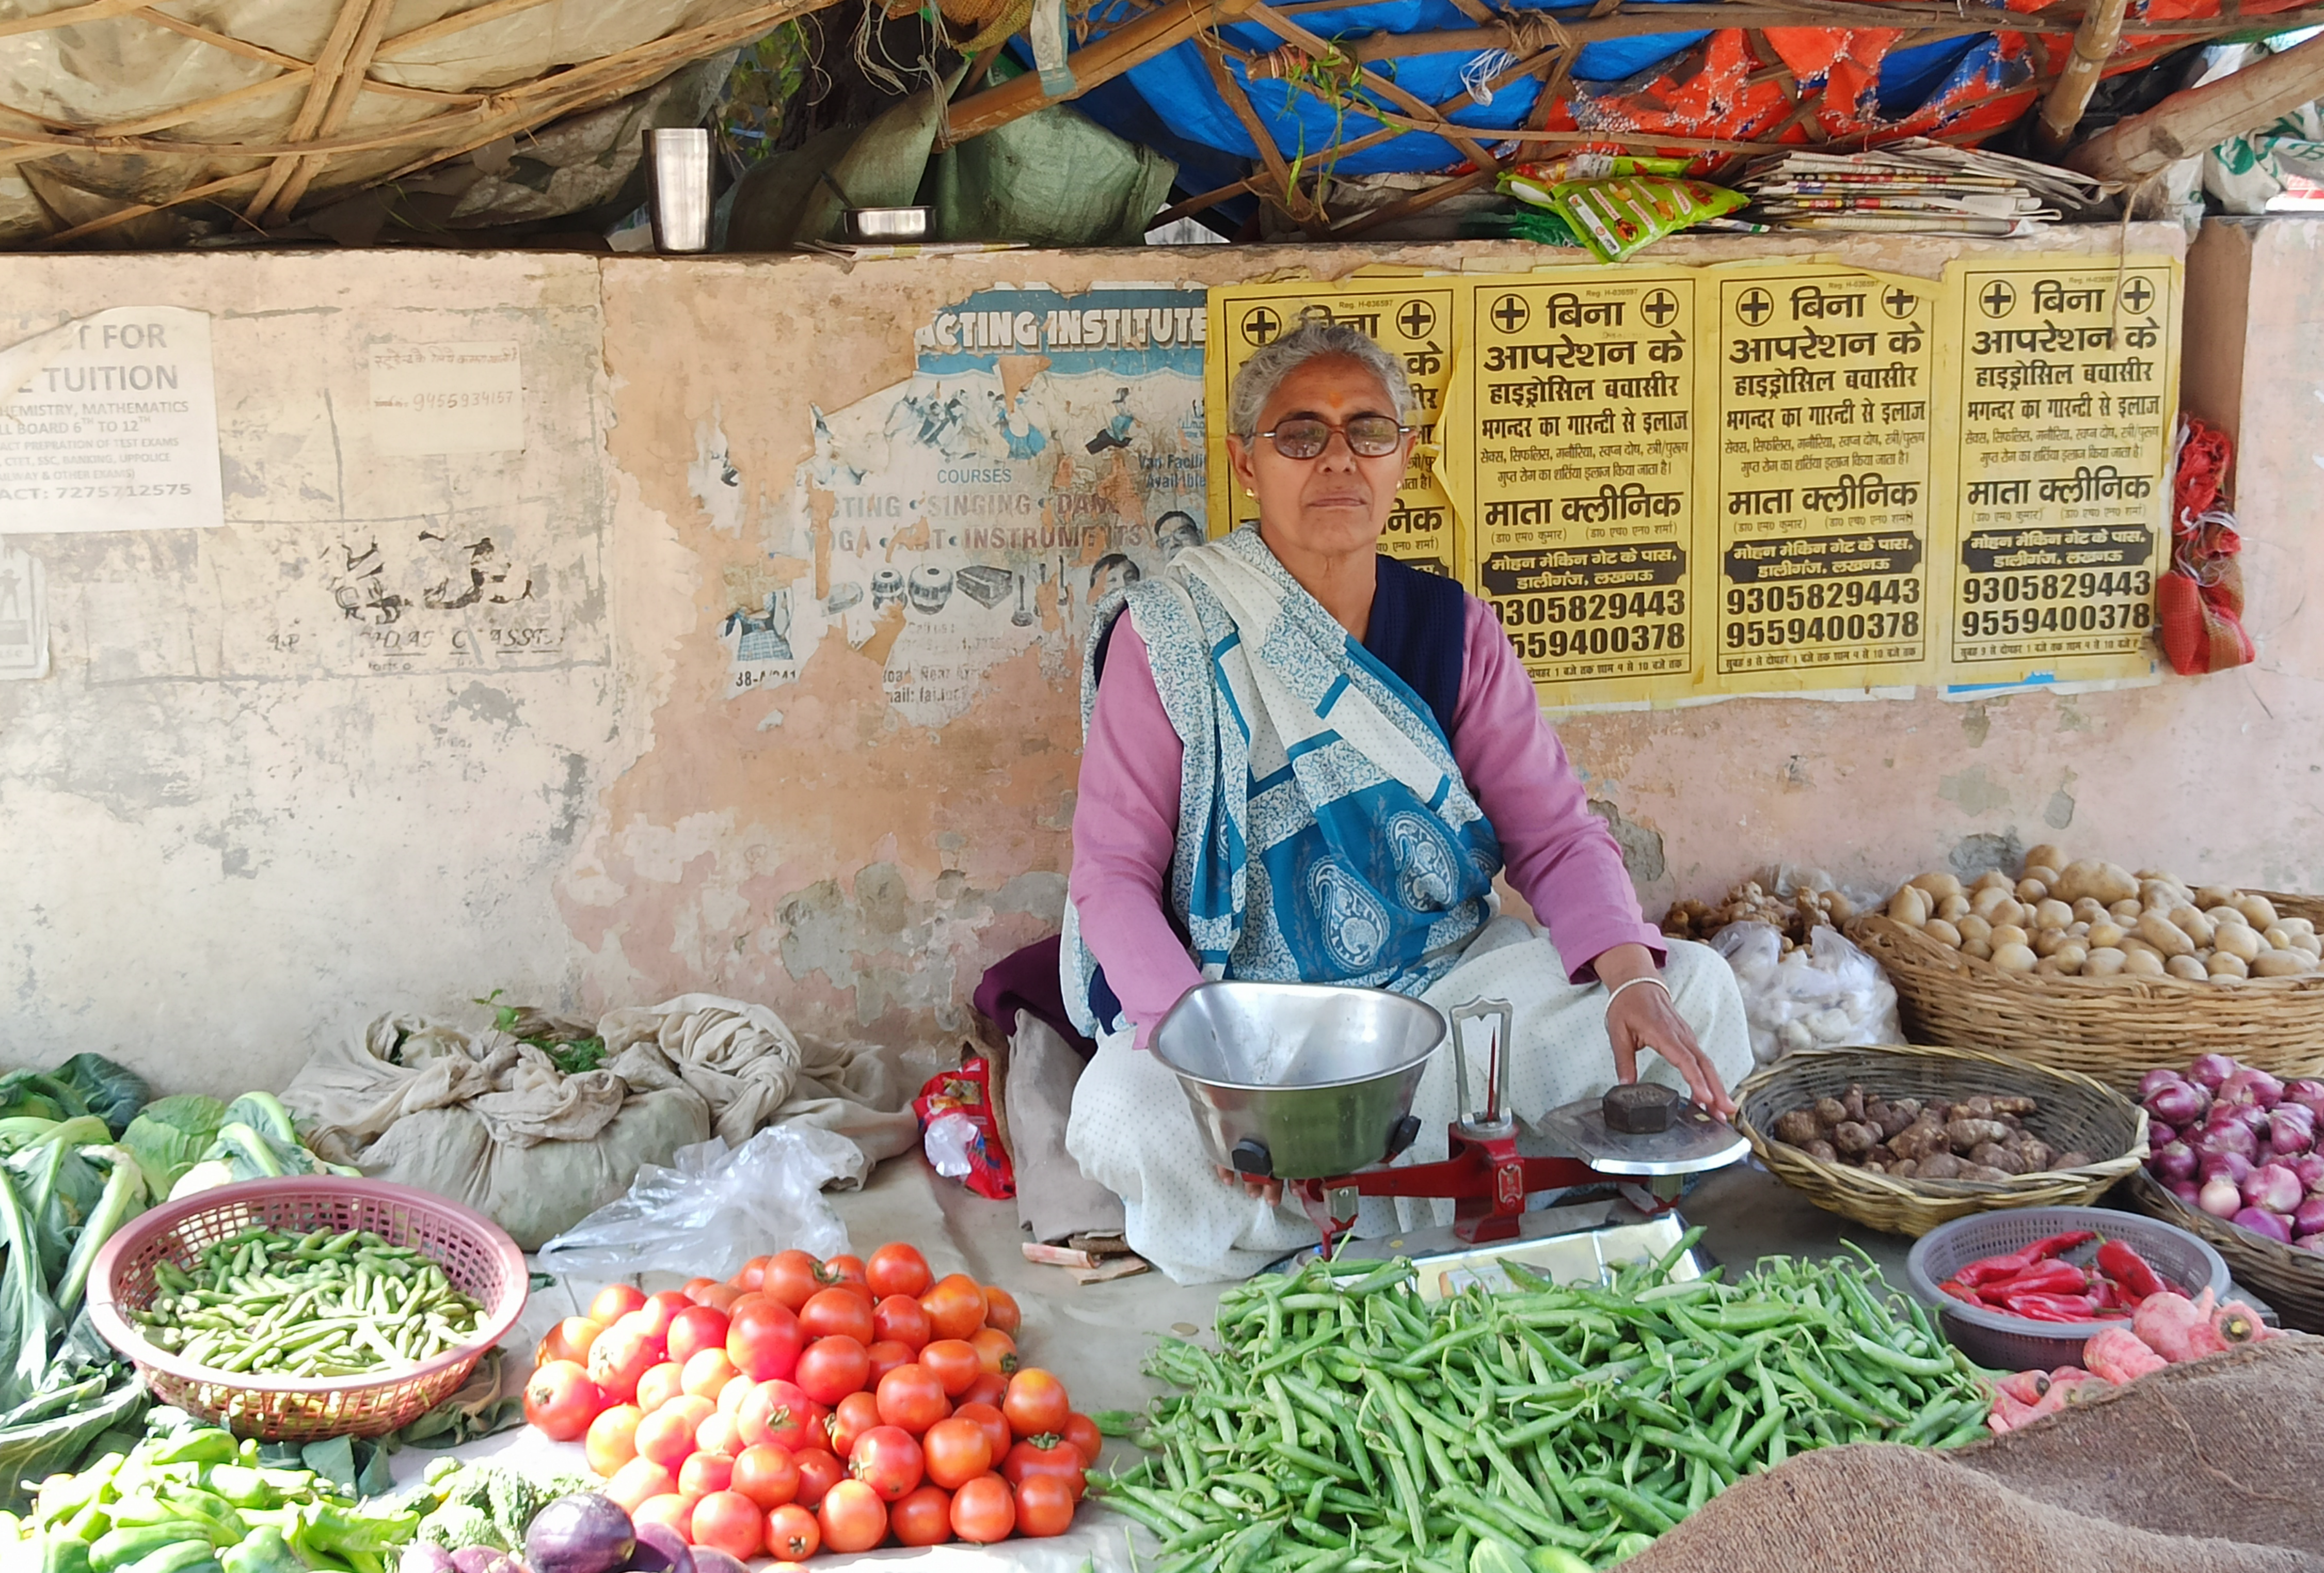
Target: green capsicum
{"points": [[263, 1550]]}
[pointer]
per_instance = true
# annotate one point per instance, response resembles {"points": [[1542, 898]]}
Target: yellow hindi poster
{"points": [[1820, 410], [1412, 317], [1571, 455], [2063, 376]]}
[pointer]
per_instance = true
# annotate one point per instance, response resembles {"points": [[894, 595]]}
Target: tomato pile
{"points": [[805, 1406]]}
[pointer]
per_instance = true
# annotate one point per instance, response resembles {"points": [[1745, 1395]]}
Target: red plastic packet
{"points": [[957, 1132]]}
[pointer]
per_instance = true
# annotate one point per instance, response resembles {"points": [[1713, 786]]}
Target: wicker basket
{"points": [[2290, 1280], [475, 1254], [2076, 1112], [2115, 1028]]}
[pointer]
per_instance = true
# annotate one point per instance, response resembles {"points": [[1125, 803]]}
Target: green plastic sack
{"points": [[1054, 178], [786, 200]]}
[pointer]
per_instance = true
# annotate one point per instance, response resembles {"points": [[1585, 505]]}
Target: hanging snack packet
{"points": [[1619, 218], [1535, 182]]}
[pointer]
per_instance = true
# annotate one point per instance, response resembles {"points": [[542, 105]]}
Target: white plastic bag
{"points": [[1822, 996], [715, 1209]]}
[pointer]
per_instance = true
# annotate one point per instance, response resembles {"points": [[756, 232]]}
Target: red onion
{"points": [[2220, 1197], [2225, 1136], [2308, 1218], [2175, 1160], [2272, 1188], [2159, 1136], [2178, 1103], [2209, 1070], [2308, 1093], [2250, 1116], [2270, 1224], [2186, 1191], [2250, 1086], [2232, 1167], [2310, 1170], [2161, 1075], [2311, 1243], [2291, 1130]]}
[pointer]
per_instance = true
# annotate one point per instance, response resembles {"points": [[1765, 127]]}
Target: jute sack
{"points": [[2208, 1468]]}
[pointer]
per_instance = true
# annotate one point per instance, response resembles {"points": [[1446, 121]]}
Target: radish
{"points": [[2270, 1224]]}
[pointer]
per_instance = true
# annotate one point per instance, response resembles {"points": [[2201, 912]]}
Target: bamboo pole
{"points": [[2191, 121], [1159, 31], [2093, 44]]}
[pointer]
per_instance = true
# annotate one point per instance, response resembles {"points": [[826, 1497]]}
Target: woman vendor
{"points": [[1305, 761]]}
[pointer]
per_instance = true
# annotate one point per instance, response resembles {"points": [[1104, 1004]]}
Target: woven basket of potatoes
{"points": [[2084, 965]]}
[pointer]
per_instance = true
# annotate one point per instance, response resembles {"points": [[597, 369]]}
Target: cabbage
{"points": [[113, 1092], [171, 1136]]}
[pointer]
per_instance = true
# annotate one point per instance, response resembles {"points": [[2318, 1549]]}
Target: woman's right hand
{"points": [[1270, 1191]]}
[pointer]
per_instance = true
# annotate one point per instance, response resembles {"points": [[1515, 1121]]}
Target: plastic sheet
{"points": [[715, 1209], [1824, 994]]}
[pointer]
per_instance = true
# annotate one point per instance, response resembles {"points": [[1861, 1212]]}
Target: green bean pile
{"points": [[1350, 1424], [324, 1304]]}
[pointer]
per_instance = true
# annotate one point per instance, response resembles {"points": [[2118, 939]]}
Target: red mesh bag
{"points": [[2200, 599]]}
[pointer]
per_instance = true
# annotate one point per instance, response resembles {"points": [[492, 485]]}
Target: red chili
{"points": [[2055, 1307], [1993, 1267], [1960, 1291], [2046, 1278], [2128, 1268]]}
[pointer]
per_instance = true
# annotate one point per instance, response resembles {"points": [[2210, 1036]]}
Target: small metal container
{"points": [[871, 225], [678, 187], [1299, 1081]]}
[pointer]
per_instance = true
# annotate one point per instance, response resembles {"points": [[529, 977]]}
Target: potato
{"points": [[2010, 911], [2282, 963], [2044, 942], [1973, 927], [2214, 895], [2143, 964], [2240, 941], [2008, 934], [2226, 964], [2044, 874], [2089, 910], [2222, 916], [2108, 882], [1822, 1150], [2052, 914], [1905, 1169], [2048, 967], [2164, 935], [2103, 961], [2106, 934], [2277, 936], [1986, 899], [2043, 854], [2193, 924], [2309, 943], [1937, 886], [2258, 910], [2032, 889], [1982, 949], [2296, 925], [2078, 930], [2034, 1155], [1942, 932], [2013, 957], [1940, 1166], [1966, 1135], [2071, 956], [1993, 879], [1952, 909], [2126, 912], [1993, 1155], [2187, 966], [1830, 1112], [1978, 1174], [2151, 891], [2132, 945], [1854, 1139], [1909, 906], [1798, 1128]]}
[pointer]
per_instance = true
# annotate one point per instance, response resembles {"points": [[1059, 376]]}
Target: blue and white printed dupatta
{"points": [[1324, 832]]}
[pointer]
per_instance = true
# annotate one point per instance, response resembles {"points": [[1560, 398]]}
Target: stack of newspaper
{"points": [[1914, 187]]}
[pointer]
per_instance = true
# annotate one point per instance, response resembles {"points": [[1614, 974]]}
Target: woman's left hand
{"points": [[1644, 1018]]}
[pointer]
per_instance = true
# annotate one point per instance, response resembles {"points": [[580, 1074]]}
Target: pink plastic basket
{"points": [[475, 1254]]}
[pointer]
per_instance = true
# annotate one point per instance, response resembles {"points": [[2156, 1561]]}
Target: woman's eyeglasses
{"points": [[1306, 435]]}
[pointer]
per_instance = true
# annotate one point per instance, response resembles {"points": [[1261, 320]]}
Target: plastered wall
{"points": [[769, 682]]}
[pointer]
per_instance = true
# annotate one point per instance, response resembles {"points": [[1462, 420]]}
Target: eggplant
{"points": [[2270, 1224], [661, 1549], [581, 1533]]}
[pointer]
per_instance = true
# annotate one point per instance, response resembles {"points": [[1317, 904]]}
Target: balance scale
{"points": [[1312, 1130]]}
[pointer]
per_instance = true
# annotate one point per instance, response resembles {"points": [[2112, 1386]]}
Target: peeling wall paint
{"points": [[217, 850]]}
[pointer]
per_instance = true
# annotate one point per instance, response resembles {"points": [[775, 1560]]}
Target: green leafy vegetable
{"points": [[40, 1095], [573, 1056], [171, 1134], [113, 1093]]}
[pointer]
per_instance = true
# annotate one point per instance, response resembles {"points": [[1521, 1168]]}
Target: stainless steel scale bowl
{"points": [[1299, 1081]]}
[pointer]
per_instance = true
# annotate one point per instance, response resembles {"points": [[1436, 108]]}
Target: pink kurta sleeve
{"points": [[1125, 827], [1560, 855]]}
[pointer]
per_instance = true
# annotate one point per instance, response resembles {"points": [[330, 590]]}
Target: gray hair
{"points": [[1313, 339]]}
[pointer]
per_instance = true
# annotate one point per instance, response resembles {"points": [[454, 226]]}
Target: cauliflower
{"points": [[514, 1501], [455, 1525]]}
